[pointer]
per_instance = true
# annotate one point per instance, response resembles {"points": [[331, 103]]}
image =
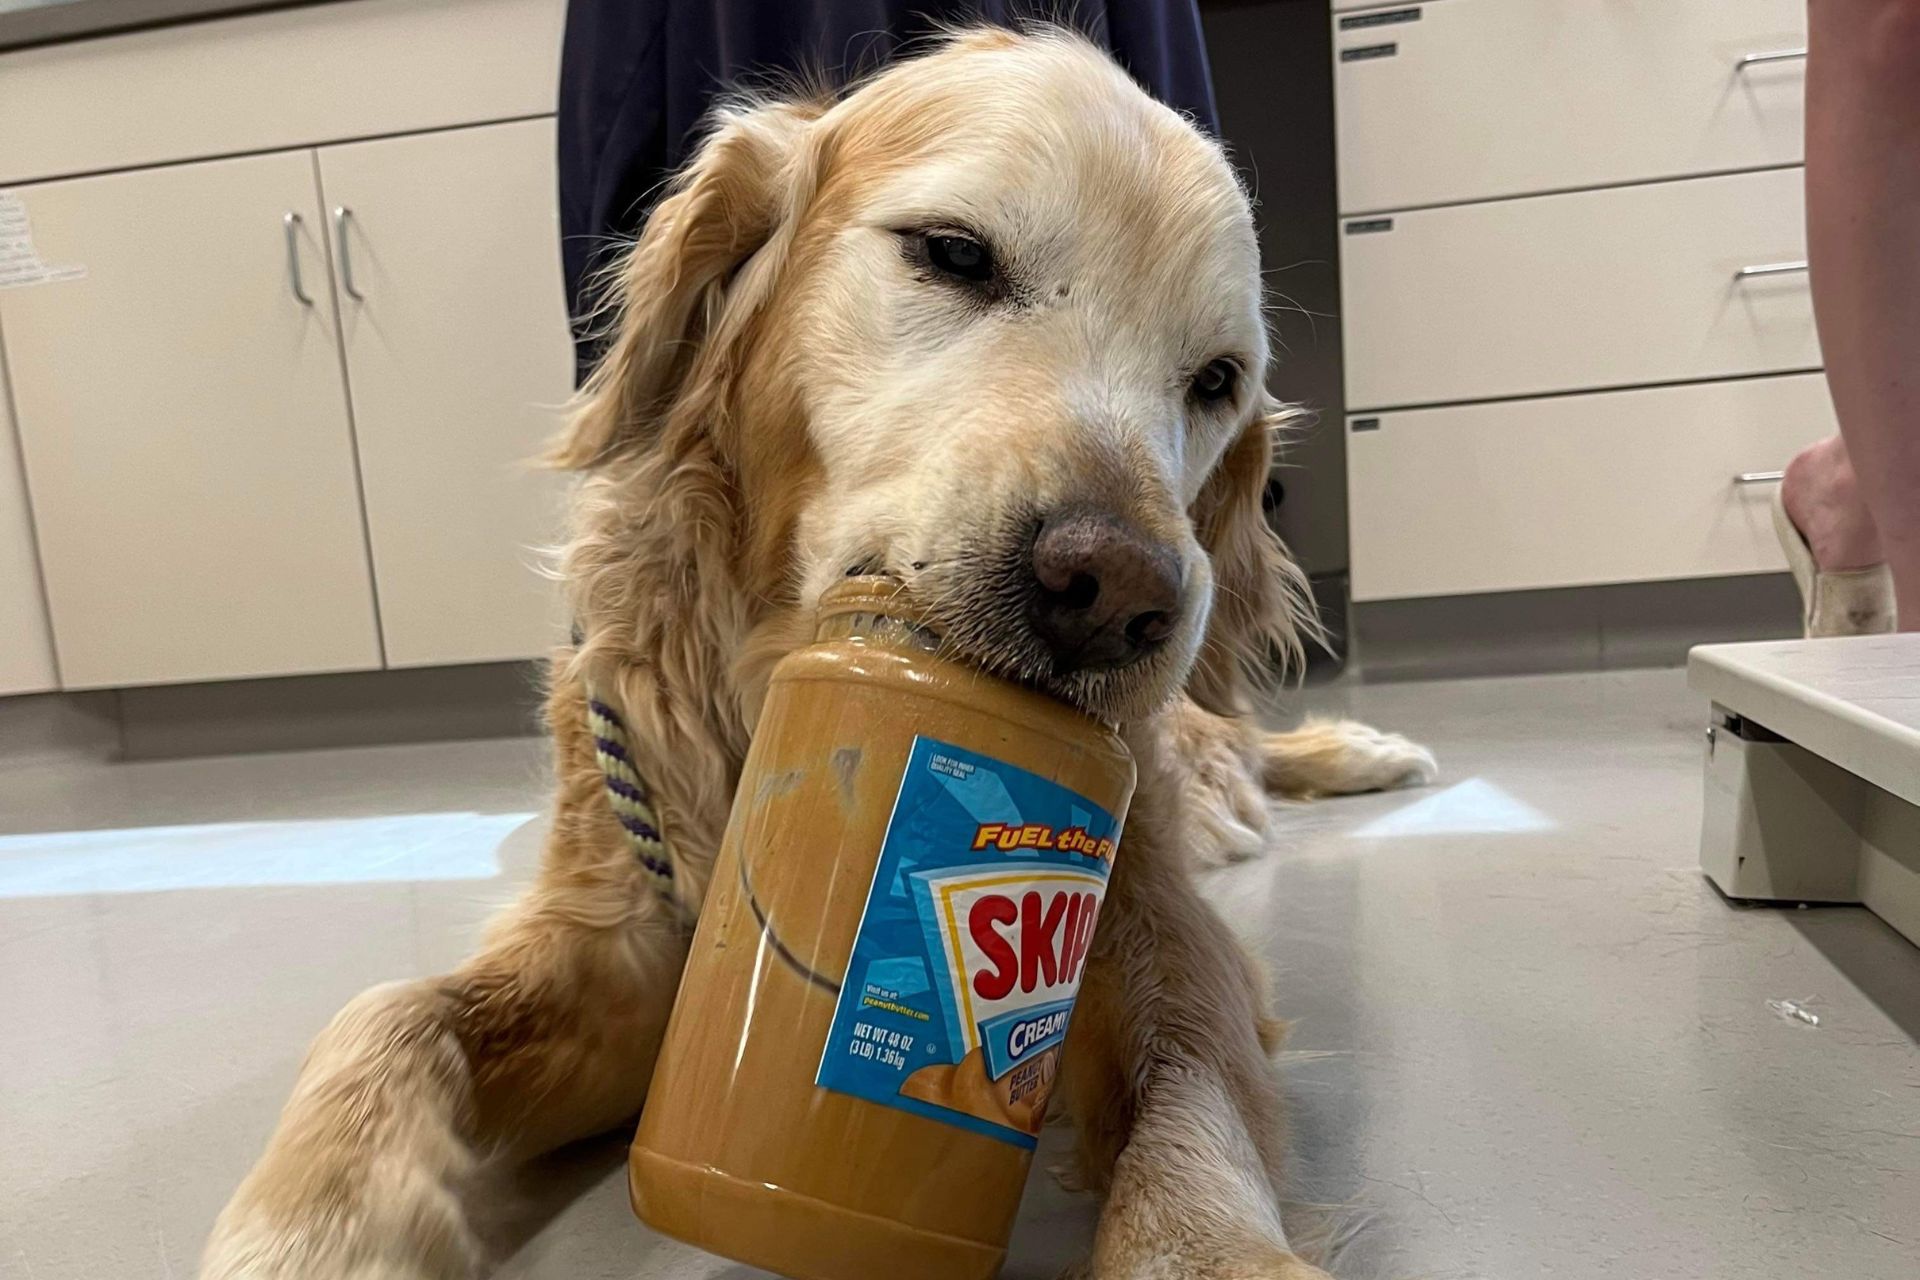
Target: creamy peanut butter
{"points": [[879, 989]]}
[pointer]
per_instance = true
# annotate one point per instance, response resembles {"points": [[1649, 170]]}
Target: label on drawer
{"points": [[1390, 18], [20, 263], [1368, 52], [971, 949]]}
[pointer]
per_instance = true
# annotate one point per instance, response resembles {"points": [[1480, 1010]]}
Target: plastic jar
{"points": [[878, 991]]}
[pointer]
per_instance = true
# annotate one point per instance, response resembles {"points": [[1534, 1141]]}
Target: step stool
{"points": [[1813, 772]]}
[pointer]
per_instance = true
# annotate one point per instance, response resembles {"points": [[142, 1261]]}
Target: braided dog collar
{"points": [[629, 798]]}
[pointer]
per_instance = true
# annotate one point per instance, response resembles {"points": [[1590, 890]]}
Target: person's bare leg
{"points": [[1857, 500]]}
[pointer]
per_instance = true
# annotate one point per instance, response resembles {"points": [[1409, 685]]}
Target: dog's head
{"points": [[990, 323]]}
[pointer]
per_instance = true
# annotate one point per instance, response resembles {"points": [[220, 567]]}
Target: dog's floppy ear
{"points": [[704, 264], [1262, 605]]}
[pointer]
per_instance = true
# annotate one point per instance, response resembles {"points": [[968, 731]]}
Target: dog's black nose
{"points": [[1105, 594]]}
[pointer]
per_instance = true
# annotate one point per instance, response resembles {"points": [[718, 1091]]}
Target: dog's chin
{"points": [[1119, 696]]}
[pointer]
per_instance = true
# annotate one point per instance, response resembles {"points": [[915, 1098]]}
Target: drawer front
{"points": [[1576, 292], [268, 81], [1625, 486], [1484, 98]]}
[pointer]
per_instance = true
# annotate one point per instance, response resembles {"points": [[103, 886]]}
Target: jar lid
{"points": [[880, 608], [876, 607], [870, 593]]}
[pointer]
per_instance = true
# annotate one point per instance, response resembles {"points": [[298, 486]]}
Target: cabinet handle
{"points": [[341, 217], [292, 224], [1770, 269], [1760, 477], [1773, 55]]}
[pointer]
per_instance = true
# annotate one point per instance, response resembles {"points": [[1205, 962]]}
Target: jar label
{"points": [[972, 945]]}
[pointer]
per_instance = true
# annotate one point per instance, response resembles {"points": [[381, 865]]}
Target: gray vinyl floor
{"points": [[1529, 1041]]}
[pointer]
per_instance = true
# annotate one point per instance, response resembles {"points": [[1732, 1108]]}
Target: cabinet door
{"points": [[26, 646], [459, 359], [1472, 99], [185, 428]]}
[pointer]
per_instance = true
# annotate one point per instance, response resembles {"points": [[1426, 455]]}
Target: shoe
{"points": [[1846, 602]]}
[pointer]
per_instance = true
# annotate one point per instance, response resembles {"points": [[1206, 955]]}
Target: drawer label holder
{"points": [[1368, 52], [1391, 17]]}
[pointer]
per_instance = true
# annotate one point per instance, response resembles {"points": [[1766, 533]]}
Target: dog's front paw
{"points": [[1375, 760], [1224, 831], [1226, 805], [1198, 1260], [387, 1224], [1341, 758], [269, 1255], [1392, 761]]}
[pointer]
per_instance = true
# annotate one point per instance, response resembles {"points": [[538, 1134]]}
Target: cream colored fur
{"points": [[784, 401]]}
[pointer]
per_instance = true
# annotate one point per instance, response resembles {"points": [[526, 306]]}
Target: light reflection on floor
{"points": [[383, 849], [1473, 807]]}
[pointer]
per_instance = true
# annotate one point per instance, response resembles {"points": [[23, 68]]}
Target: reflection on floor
{"points": [[1528, 1039], [238, 855]]}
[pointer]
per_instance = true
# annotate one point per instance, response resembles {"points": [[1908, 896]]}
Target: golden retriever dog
{"points": [[989, 323]]}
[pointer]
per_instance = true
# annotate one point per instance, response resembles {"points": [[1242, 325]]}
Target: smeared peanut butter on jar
{"points": [[877, 995]]}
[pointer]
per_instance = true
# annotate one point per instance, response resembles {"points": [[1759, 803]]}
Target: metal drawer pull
{"points": [[292, 224], [1770, 269], [1760, 477], [341, 217], [1776, 55]]}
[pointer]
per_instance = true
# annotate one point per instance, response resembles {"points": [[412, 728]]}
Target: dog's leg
{"points": [[1340, 757], [546, 1035], [1175, 1099], [1226, 802]]}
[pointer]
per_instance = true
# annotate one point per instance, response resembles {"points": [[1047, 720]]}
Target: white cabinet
{"points": [[26, 645], [1621, 287], [229, 464], [185, 430], [1575, 490], [458, 359], [189, 423], [1574, 291], [1457, 100]]}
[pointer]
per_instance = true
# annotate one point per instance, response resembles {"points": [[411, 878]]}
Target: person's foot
{"points": [[1822, 497], [1832, 546]]}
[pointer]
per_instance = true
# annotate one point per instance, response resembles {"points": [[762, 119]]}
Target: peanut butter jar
{"points": [[879, 988]]}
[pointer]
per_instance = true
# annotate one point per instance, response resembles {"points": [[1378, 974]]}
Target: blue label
{"points": [[971, 949]]}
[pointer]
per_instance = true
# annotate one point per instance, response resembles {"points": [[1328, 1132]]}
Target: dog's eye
{"points": [[960, 256], [1216, 381]]}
